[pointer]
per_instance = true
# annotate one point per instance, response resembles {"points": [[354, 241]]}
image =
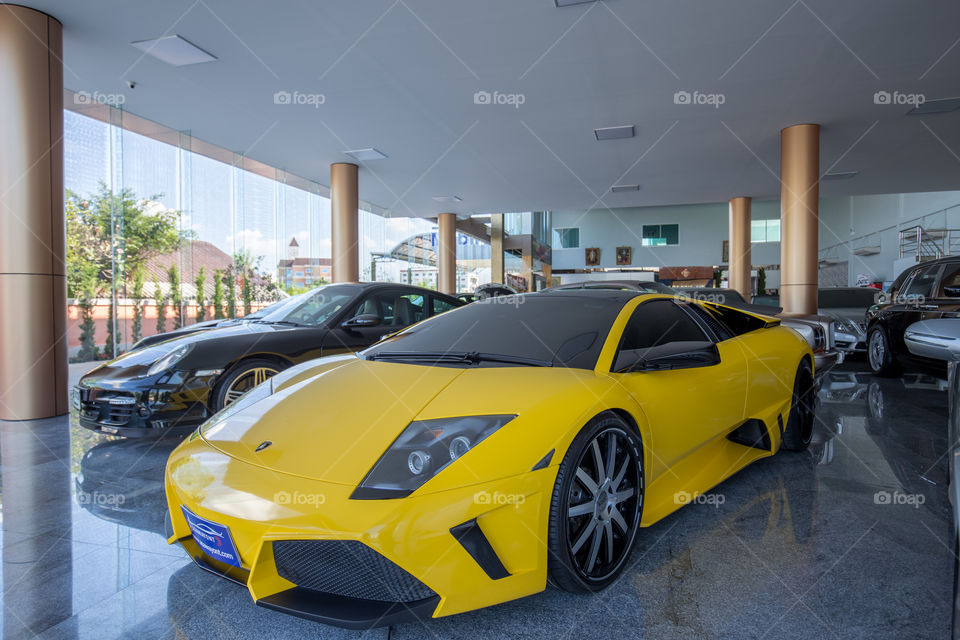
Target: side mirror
{"points": [[951, 291], [362, 320], [673, 355]]}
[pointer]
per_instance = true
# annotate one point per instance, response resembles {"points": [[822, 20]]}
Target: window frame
{"points": [[709, 335], [557, 231], [659, 225]]}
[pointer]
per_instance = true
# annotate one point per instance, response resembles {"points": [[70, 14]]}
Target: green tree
{"points": [[176, 296], [761, 281], [201, 284], [85, 300], [113, 233], [110, 347], [247, 293], [218, 294], [230, 281], [137, 304], [161, 301]]}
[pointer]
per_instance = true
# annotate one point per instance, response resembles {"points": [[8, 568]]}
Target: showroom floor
{"points": [[847, 541]]}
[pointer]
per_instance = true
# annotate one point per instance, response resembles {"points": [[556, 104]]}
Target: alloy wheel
{"points": [[876, 350], [246, 381], [603, 505]]}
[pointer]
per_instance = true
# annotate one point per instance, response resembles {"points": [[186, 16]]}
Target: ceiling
{"points": [[401, 76]]}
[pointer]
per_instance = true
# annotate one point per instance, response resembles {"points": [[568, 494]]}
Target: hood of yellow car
{"points": [[334, 426]]}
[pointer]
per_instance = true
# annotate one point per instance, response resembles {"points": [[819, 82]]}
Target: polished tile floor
{"points": [[847, 541]]}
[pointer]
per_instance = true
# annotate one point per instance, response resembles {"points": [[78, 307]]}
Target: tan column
{"points": [[447, 253], [799, 217], [547, 274], [496, 248], [344, 205], [33, 295], [739, 249]]}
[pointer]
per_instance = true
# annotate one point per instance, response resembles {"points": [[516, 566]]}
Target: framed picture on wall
{"points": [[592, 257], [725, 253], [624, 256]]}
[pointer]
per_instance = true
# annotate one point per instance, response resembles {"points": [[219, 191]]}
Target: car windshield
{"points": [[562, 329], [313, 308], [846, 297]]}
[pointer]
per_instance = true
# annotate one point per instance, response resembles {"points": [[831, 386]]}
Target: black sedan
{"points": [[170, 387]]}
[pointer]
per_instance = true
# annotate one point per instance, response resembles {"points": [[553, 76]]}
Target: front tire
{"points": [[880, 354], [596, 506], [244, 376], [799, 430]]}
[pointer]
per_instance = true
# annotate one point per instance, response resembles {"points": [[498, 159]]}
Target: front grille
{"points": [[347, 568]]}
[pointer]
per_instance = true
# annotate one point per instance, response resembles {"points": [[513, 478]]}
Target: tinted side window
{"points": [[376, 304], [659, 322], [713, 320], [439, 306], [922, 284], [737, 322], [951, 276]]}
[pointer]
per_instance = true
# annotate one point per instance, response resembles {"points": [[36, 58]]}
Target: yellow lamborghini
{"points": [[479, 455]]}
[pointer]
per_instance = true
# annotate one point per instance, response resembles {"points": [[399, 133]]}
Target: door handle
{"points": [[928, 307]]}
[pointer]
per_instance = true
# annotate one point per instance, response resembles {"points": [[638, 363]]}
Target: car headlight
{"points": [[168, 360], [422, 451], [819, 338]]}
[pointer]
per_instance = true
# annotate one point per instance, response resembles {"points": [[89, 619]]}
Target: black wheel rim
{"points": [[603, 505]]}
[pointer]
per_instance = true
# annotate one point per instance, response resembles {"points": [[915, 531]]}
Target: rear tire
{"points": [[880, 355], [244, 376], [799, 430], [596, 506]]}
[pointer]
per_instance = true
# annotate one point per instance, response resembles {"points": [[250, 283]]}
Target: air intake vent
{"points": [[346, 568]]}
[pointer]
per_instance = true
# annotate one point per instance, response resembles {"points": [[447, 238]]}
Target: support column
{"points": [[344, 205], [447, 253], [33, 294], [799, 217], [496, 248], [739, 249]]}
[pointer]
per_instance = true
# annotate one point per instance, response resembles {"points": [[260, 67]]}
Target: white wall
{"points": [[703, 228], [845, 224], [851, 222]]}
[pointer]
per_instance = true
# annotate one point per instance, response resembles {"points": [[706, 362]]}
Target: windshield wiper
{"points": [[288, 323], [454, 357]]}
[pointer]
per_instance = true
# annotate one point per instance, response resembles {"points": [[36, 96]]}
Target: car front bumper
{"points": [[146, 408], [824, 361], [463, 549]]}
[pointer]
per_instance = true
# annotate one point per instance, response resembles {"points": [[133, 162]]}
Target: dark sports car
{"points": [[170, 387], [217, 323]]}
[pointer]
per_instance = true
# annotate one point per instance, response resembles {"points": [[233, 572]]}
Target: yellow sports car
{"points": [[478, 455]]}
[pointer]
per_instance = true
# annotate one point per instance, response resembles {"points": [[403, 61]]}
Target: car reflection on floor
{"points": [[121, 481]]}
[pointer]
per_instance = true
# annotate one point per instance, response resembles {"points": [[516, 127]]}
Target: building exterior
{"points": [[301, 273]]}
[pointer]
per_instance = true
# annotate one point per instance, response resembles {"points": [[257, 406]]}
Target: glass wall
{"points": [[165, 230]]}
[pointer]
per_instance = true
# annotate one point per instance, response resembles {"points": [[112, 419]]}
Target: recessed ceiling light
{"points": [[365, 155], [614, 133], [840, 175], [174, 50], [620, 188], [447, 198], [940, 105], [567, 3]]}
